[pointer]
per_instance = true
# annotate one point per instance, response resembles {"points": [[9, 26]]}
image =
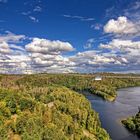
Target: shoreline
{"points": [[108, 97], [99, 103]]}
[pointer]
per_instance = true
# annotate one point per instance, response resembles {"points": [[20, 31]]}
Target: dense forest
{"points": [[105, 88], [35, 111], [133, 123], [48, 107]]}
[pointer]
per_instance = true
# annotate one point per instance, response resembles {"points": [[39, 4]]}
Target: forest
{"points": [[49, 107], [106, 88], [133, 124], [35, 110]]}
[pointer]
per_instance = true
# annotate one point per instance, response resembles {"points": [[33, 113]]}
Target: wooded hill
{"points": [[47, 106], [33, 109]]}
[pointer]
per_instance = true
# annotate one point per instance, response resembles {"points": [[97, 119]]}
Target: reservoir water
{"points": [[111, 113]]}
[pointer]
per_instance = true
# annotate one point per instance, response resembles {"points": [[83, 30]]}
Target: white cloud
{"points": [[34, 19], [122, 45], [40, 55], [11, 55], [18, 58], [46, 55], [4, 48], [54, 60], [91, 58], [12, 63], [46, 46], [128, 51], [79, 17], [120, 55], [37, 9], [11, 37], [93, 61], [120, 26], [43, 55]]}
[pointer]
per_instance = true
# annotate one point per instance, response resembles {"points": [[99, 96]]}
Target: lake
{"points": [[111, 113]]}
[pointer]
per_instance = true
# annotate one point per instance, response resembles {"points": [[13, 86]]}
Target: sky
{"points": [[69, 36]]}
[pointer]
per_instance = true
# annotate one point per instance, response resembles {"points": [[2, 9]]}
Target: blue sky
{"points": [[84, 35]]}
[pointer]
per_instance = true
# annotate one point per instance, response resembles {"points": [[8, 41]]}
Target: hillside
{"points": [[44, 112], [47, 106]]}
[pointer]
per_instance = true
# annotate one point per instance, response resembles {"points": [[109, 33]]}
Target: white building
{"points": [[98, 78]]}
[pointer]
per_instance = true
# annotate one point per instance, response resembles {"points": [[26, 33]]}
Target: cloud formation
{"points": [[46, 55], [43, 55], [4, 48], [122, 45], [46, 46], [11, 37], [12, 57], [127, 50], [121, 26], [40, 55]]}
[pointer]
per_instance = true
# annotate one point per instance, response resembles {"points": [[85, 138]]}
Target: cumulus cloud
{"points": [[40, 55], [14, 63], [57, 61], [11, 55], [46, 46], [117, 55], [120, 26], [127, 50], [47, 55], [125, 31], [93, 61], [91, 58], [123, 46], [43, 55], [4, 48]]}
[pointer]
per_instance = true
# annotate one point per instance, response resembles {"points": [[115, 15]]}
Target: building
{"points": [[98, 78]]}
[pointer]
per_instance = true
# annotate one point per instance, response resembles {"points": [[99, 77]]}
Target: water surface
{"points": [[111, 113]]}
